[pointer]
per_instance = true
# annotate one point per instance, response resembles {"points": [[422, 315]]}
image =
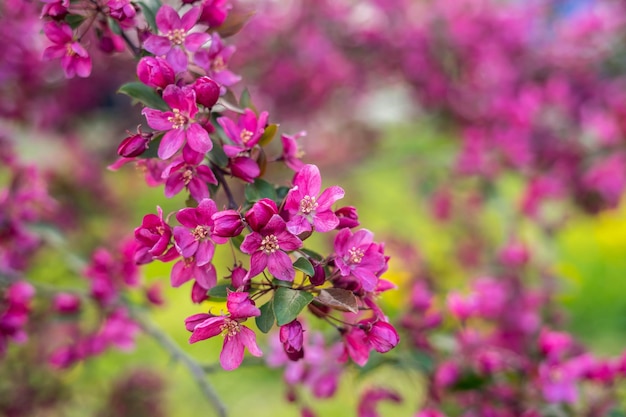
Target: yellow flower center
{"points": [[230, 327], [245, 135], [176, 36], [308, 204], [355, 255], [200, 232], [269, 244], [178, 120]]}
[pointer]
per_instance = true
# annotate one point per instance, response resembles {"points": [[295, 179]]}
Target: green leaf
{"points": [[470, 381], [153, 147], [268, 134], [303, 264], [265, 321], [237, 241], [220, 291], [280, 283], [115, 27], [245, 100], [74, 20], [260, 189], [144, 94], [339, 299], [217, 155], [281, 192], [288, 303], [149, 12], [313, 254]]}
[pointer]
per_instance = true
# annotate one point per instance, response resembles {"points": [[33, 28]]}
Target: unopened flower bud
{"points": [[227, 223], [319, 277], [292, 338], [207, 91], [155, 72], [382, 336], [134, 145], [348, 217], [66, 303], [240, 278]]}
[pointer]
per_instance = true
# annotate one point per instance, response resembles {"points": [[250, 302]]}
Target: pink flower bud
{"points": [[514, 254], [348, 217], [227, 223], [198, 294], [155, 72], [154, 294], [134, 145], [319, 277], [20, 293], [261, 213], [461, 307], [66, 303], [207, 91], [382, 337], [447, 374], [292, 338], [240, 278], [192, 321]]}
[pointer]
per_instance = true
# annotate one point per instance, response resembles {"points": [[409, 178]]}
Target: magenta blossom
{"points": [[214, 12], [307, 208], [195, 238], [153, 238], [267, 247], [291, 152], [292, 338], [176, 39], [186, 171], [357, 255], [179, 124], [155, 72], [215, 61], [236, 336], [74, 57]]}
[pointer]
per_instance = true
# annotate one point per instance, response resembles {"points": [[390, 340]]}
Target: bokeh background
{"points": [[389, 93]]}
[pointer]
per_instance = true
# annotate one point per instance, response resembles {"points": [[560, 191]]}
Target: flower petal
{"points": [[279, 264], [171, 143], [232, 353], [198, 138]]}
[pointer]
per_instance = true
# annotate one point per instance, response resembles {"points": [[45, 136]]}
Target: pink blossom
{"points": [[215, 61], [292, 338], [186, 171], [155, 72], [370, 399], [236, 335], [291, 152], [177, 38], [214, 12], [74, 57], [195, 238], [179, 124], [358, 256], [308, 209], [267, 246], [154, 236]]}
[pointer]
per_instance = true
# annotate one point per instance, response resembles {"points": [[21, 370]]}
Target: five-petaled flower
{"points": [[307, 208], [236, 335], [357, 255], [179, 124], [267, 248], [74, 57], [176, 39]]}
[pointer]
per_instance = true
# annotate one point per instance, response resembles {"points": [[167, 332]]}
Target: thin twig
{"points": [[197, 371], [219, 173]]}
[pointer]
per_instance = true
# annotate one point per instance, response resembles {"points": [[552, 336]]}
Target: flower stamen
{"points": [[269, 244]]}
